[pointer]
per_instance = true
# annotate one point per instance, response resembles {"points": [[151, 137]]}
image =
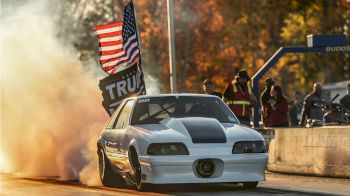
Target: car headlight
{"points": [[249, 147], [167, 149]]}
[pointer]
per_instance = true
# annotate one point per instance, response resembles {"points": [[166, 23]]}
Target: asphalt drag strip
{"points": [[276, 184]]}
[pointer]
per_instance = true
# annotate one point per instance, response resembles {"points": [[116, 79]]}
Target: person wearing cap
{"points": [[208, 88], [239, 97], [264, 98]]}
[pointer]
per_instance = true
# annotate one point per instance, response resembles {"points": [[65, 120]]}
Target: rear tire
{"points": [[107, 176], [250, 185]]}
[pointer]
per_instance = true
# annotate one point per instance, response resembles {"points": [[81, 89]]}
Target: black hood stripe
{"points": [[208, 131]]}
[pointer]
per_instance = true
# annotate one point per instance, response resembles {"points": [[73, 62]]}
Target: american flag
{"points": [[118, 42]]}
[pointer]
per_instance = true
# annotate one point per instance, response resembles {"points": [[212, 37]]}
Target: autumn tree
{"points": [[215, 39]]}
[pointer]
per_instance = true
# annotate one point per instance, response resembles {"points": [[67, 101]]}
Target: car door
{"points": [[117, 152], [108, 137]]}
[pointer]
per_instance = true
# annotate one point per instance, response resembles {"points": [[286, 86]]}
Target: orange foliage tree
{"points": [[215, 39]]}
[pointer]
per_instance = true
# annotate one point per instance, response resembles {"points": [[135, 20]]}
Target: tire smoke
{"points": [[51, 111]]}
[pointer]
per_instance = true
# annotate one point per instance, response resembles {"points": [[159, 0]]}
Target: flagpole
{"points": [[137, 30], [138, 39], [172, 59]]}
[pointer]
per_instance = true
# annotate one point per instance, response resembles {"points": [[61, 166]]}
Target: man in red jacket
{"points": [[239, 97]]}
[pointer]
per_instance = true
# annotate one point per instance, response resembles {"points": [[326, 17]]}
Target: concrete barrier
{"points": [[313, 151]]}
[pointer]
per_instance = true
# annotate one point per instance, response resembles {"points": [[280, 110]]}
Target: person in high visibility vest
{"points": [[239, 97]]}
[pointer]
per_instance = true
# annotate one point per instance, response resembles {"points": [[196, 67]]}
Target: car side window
{"points": [[114, 116], [124, 116]]}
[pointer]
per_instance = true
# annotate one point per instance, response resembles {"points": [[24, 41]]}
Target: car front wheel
{"points": [[107, 176], [141, 186]]}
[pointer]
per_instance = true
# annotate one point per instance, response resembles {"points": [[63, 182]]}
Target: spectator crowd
{"points": [[276, 111]]}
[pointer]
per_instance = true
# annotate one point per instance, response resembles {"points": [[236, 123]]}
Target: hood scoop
{"points": [[204, 130]]}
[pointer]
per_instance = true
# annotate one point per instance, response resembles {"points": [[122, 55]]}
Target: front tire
{"points": [[250, 185], [141, 186], [107, 176]]}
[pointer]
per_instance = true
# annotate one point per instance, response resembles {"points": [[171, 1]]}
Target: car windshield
{"points": [[154, 109]]}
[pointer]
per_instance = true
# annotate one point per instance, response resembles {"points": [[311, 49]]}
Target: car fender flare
{"points": [[134, 144]]}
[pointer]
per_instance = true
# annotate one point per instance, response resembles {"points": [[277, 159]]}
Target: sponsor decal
{"points": [[143, 100], [338, 49]]}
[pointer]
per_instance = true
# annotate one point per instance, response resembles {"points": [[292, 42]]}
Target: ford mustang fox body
{"points": [[179, 138]]}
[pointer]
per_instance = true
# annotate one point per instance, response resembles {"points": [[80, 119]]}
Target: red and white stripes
{"points": [[113, 53]]}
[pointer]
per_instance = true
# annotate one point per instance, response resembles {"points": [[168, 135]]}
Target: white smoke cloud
{"points": [[51, 111], [152, 85]]}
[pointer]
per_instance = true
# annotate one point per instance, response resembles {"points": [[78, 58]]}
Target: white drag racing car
{"points": [[179, 138]]}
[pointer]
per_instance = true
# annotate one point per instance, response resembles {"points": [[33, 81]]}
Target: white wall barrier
{"points": [[321, 151]]}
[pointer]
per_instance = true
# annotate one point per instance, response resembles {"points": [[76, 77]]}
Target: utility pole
{"points": [[172, 58], [186, 16]]}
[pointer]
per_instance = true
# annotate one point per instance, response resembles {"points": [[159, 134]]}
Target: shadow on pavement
{"points": [[182, 189], [225, 188]]}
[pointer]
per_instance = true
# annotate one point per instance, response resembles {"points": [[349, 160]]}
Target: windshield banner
{"points": [[125, 83]]}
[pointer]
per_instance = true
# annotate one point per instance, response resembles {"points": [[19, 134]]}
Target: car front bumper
{"points": [[182, 168]]}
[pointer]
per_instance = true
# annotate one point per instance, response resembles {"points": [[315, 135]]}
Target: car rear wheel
{"points": [[141, 186], [250, 185], [107, 176]]}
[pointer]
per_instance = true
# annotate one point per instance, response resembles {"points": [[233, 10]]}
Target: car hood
{"points": [[197, 131]]}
